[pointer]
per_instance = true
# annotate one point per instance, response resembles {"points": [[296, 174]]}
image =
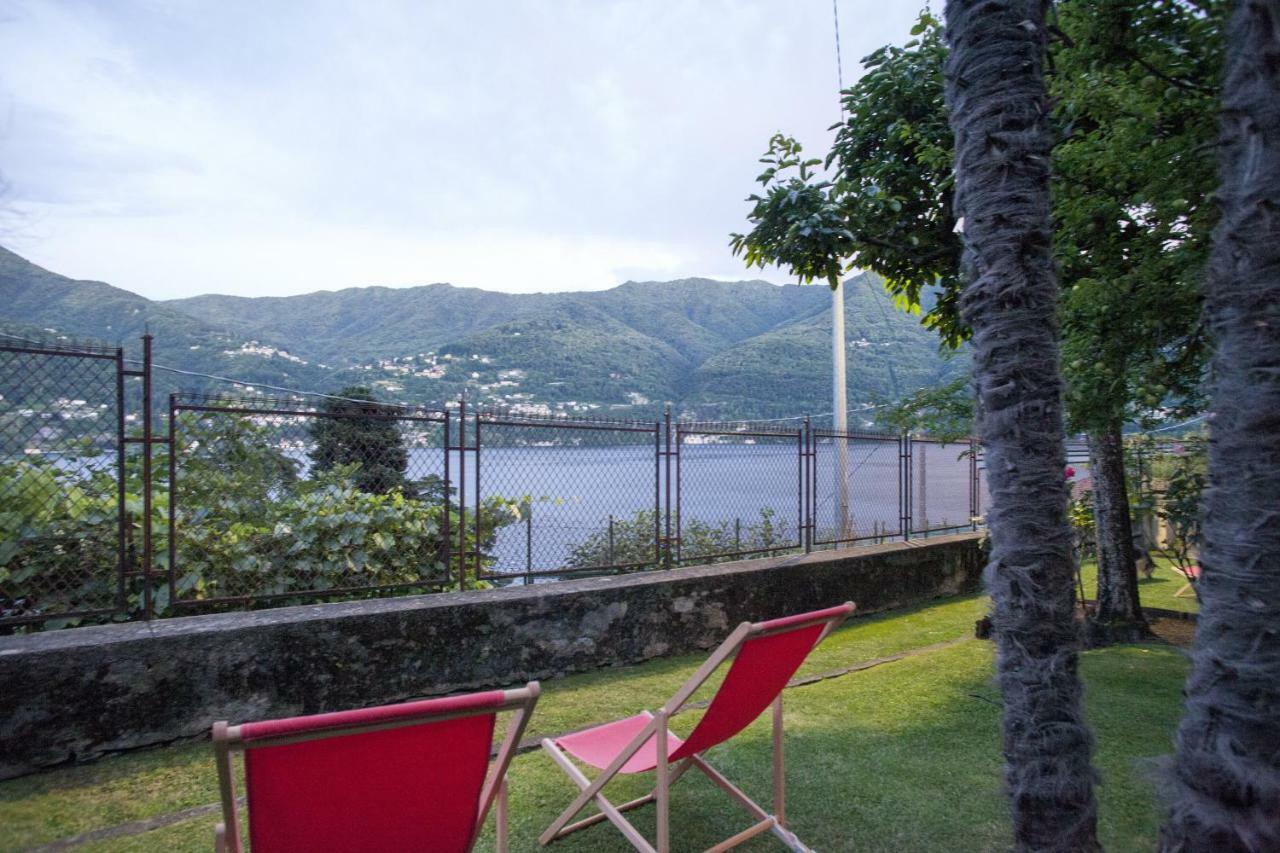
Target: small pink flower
{"points": [[1070, 472]]}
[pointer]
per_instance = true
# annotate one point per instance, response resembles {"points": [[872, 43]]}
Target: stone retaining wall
{"points": [[76, 694]]}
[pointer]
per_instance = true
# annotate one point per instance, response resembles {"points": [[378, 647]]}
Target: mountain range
{"points": [[713, 349]]}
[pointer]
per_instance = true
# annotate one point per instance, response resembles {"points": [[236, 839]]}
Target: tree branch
{"points": [[1185, 85]]}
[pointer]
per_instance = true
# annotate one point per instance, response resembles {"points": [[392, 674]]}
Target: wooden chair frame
{"points": [[227, 739], [592, 791], [1190, 574]]}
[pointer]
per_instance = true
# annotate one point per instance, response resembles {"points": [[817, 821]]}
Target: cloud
{"points": [[182, 147]]}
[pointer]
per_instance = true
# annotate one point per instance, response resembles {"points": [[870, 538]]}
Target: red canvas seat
{"points": [[413, 776], [600, 745], [765, 657], [1192, 575]]}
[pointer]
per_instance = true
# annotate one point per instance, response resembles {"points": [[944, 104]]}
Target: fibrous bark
{"points": [[999, 114], [1225, 780], [1118, 616]]}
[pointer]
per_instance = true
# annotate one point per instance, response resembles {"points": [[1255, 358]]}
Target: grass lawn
{"points": [[900, 756], [1156, 591]]}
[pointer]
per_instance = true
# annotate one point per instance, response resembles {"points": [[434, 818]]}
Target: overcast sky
{"points": [[175, 147]]}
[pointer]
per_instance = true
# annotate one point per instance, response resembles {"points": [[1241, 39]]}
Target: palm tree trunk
{"points": [[1226, 775], [1118, 617], [999, 114]]}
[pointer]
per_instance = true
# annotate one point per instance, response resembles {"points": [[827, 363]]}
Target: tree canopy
{"points": [[361, 431], [798, 222], [1133, 87], [892, 158], [1137, 87], [1132, 108]]}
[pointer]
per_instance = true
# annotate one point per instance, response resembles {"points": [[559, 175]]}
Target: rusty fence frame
{"points": [[493, 420], [124, 568], [466, 433], [277, 408], [679, 431], [902, 453], [913, 471]]}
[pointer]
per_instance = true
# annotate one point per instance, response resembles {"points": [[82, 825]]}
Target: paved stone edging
{"points": [[129, 829]]}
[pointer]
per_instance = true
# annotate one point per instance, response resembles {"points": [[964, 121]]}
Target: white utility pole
{"points": [[839, 408]]}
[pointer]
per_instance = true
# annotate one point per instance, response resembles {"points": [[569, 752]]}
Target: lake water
{"points": [[734, 495], [569, 494]]}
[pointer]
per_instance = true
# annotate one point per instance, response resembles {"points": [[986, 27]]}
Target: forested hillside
{"points": [[712, 348]]}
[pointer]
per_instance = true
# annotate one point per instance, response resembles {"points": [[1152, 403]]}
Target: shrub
{"points": [[248, 525], [59, 534], [712, 542]]}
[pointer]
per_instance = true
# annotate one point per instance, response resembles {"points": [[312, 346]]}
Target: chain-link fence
{"points": [[274, 500], [867, 504], [942, 485], [740, 490], [584, 494], [243, 501], [65, 538]]}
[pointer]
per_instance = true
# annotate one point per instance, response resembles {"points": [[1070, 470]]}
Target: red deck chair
{"points": [[406, 777], [765, 656], [1192, 576]]}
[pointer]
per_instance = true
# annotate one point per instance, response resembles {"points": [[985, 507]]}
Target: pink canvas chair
{"points": [[413, 776], [1192, 576], [765, 657]]}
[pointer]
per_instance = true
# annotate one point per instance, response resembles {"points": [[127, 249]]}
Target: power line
{"points": [[835, 15], [247, 384], [1178, 426], [869, 407], [865, 408]]}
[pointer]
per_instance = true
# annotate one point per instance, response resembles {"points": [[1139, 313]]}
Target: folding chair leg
{"points": [[766, 820], [731, 789], [663, 785], [750, 832], [592, 789], [600, 817], [500, 818], [610, 811], [779, 780], [230, 836]]}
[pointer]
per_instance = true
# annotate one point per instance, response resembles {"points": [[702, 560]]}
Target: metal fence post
{"points": [[476, 516], [973, 483], [147, 553], [905, 471], [902, 513], [462, 491], [1140, 476], [922, 477], [666, 554], [173, 499], [801, 472], [122, 530], [657, 494], [528, 541], [447, 499], [809, 486], [676, 543]]}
